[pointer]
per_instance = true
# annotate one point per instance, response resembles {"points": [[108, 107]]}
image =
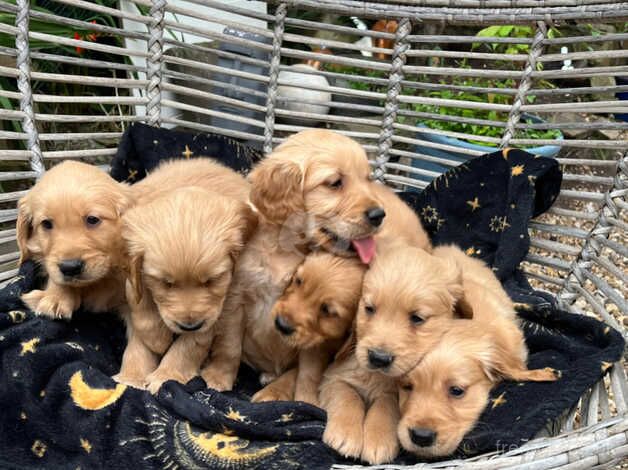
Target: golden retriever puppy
{"points": [[443, 397], [408, 298], [182, 249], [70, 223], [311, 321], [183, 245], [314, 190], [408, 302]]}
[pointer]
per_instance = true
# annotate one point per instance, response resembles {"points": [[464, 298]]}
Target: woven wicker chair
{"points": [[578, 249]]}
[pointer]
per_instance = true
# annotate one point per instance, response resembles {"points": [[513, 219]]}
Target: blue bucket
{"points": [[453, 156], [622, 96]]}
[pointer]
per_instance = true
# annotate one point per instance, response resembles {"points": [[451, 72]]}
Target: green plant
{"points": [[475, 128], [508, 31]]}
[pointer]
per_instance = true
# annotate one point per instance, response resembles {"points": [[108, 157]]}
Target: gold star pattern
{"points": [[498, 224], [500, 400], [39, 448], [285, 418], [429, 214], [470, 251], [606, 366], [132, 175], [235, 415], [17, 316], [86, 445], [227, 432], [475, 204], [187, 153], [517, 170], [29, 346]]}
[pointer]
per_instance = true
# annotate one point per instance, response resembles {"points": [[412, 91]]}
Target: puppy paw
{"points": [[266, 377], [133, 382], [155, 380], [344, 437], [216, 381], [49, 305], [309, 396], [270, 393], [379, 447]]}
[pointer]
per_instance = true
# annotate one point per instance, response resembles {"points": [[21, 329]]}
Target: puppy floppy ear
{"points": [[276, 189], [245, 228], [348, 346], [122, 198], [455, 287], [506, 359], [24, 230], [135, 276]]}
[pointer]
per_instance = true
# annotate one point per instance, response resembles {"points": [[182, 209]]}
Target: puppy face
{"points": [[321, 301], [408, 301], [70, 221], [443, 397], [183, 248], [318, 182]]}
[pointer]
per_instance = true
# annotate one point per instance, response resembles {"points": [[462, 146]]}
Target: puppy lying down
{"points": [[442, 397], [183, 246], [70, 223]]}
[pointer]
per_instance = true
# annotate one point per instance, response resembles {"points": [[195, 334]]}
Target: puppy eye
{"points": [[169, 284], [298, 281], [46, 224], [407, 386], [369, 309], [207, 282], [415, 318], [456, 392], [335, 184], [92, 221]]}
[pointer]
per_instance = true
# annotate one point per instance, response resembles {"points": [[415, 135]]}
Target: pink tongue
{"points": [[365, 248]]}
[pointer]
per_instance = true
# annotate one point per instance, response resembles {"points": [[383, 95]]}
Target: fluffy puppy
{"points": [[70, 223], [443, 397], [183, 245], [182, 249], [408, 298], [408, 302], [313, 317], [315, 189]]}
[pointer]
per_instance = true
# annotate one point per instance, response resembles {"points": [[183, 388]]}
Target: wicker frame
{"points": [[576, 254]]}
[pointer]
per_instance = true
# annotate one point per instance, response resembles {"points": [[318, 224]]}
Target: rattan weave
{"points": [[578, 250]]}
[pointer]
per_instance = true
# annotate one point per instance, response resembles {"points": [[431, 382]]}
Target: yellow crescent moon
{"points": [[229, 448], [90, 398]]}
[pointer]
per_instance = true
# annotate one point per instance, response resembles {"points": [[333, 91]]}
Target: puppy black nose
{"points": [[422, 437], [71, 267], [190, 326], [283, 325], [375, 216], [379, 359]]}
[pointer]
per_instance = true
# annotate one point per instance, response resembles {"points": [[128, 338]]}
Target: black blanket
{"points": [[60, 409]]}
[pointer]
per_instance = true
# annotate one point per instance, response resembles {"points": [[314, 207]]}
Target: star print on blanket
{"points": [[61, 409]]}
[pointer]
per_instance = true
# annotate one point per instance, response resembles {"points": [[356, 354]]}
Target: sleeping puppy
{"points": [[70, 223], [313, 191], [408, 302], [311, 321], [183, 245], [182, 249], [455, 378], [442, 398]]}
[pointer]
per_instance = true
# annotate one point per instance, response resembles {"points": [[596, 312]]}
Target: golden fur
{"points": [[408, 298], [472, 356], [319, 306], [314, 189], [74, 213], [361, 400], [183, 246]]}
